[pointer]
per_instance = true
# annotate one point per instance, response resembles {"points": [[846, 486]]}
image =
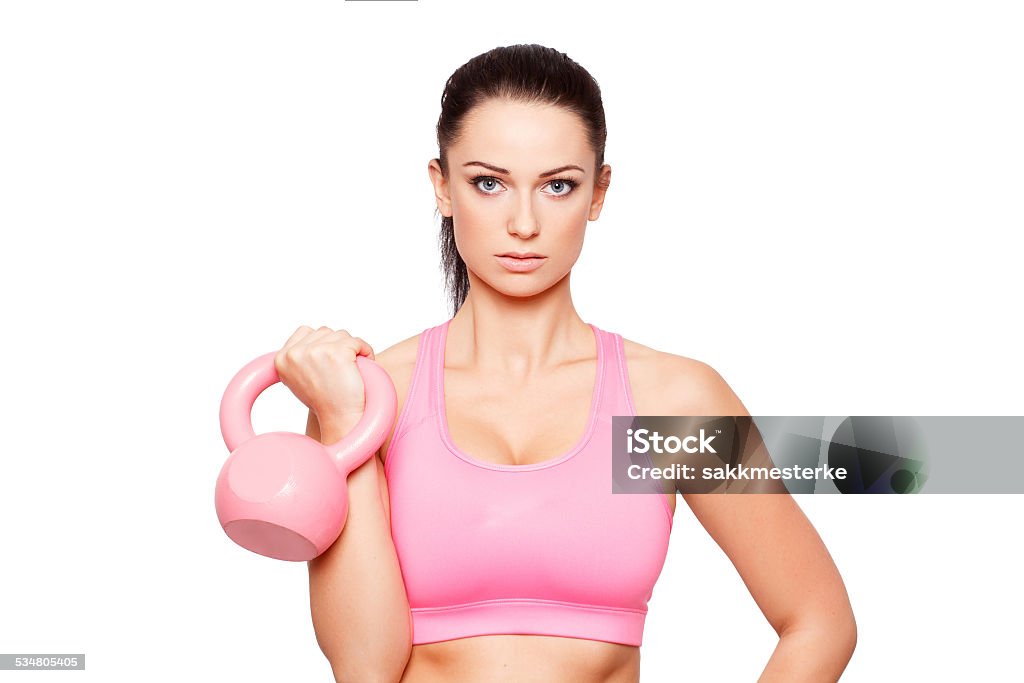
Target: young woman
{"points": [[483, 542]]}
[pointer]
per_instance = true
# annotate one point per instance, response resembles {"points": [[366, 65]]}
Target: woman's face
{"points": [[521, 182]]}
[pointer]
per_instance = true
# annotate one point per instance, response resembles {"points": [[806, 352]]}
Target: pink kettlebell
{"points": [[285, 495]]}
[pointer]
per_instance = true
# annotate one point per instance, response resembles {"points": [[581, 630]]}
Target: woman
{"points": [[483, 543]]}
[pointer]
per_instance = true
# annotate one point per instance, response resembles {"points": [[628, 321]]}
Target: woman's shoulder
{"points": [[399, 359], [665, 383]]}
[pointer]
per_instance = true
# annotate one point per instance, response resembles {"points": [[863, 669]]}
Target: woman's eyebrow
{"points": [[545, 174]]}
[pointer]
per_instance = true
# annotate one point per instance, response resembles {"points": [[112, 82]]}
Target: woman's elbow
{"points": [[848, 633], [832, 631], [379, 654], [837, 633], [386, 667], [345, 674]]}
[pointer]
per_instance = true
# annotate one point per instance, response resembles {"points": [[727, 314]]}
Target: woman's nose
{"points": [[524, 230], [524, 223]]}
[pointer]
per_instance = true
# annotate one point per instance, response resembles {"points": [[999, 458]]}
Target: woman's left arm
{"points": [[779, 557]]}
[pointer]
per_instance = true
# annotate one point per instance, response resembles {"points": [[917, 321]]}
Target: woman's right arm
{"points": [[357, 597]]}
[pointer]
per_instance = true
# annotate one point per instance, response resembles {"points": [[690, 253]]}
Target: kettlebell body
{"points": [[285, 495]]}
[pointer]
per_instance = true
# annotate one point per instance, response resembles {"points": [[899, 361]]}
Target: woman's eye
{"points": [[487, 184], [562, 186]]}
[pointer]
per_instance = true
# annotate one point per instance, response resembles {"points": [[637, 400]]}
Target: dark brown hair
{"points": [[520, 73]]}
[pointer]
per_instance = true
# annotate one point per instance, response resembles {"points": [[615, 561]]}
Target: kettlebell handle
{"points": [[353, 449]]}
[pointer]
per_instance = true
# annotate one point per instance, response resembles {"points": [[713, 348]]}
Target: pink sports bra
{"points": [[539, 549]]}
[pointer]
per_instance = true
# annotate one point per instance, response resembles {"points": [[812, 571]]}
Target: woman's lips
{"points": [[521, 265]]}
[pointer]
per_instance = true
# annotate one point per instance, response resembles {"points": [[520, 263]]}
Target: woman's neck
{"points": [[518, 336]]}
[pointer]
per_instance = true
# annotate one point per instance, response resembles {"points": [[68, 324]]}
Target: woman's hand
{"points": [[319, 367]]}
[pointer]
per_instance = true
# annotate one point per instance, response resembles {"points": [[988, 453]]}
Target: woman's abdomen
{"points": [[522, 659]]}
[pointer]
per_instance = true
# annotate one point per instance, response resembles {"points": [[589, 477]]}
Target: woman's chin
{"points": [[523, 289]]}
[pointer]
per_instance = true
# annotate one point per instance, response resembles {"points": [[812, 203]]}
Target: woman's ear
{"points": [[440, 183], [604, 179]]}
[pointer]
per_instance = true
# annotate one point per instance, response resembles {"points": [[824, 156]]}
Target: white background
{"points": [[822, 202]]}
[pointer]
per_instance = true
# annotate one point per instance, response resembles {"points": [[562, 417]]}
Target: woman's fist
{"points": [[319, 366]]}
